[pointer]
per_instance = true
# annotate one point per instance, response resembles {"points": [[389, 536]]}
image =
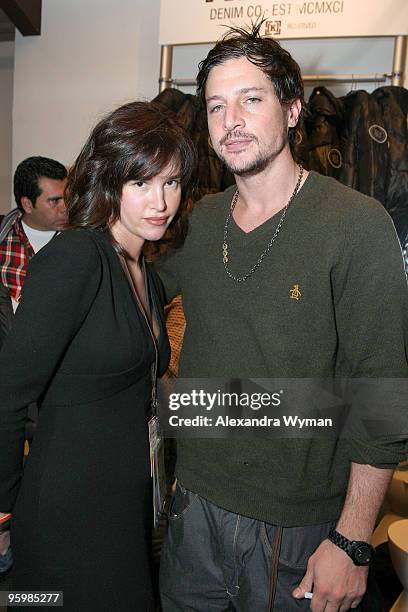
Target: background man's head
{"points": [[262, 64], [39, 184]]}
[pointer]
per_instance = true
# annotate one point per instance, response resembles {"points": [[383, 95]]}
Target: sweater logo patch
{"points": [[295, 293]]}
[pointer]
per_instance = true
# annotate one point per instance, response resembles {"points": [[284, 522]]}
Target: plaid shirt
{"points": [[15, 253]]}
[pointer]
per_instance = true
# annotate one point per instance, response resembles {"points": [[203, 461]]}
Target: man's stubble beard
{"points": [[261, 161]]}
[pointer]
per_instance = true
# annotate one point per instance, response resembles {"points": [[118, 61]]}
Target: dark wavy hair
{"points": [[28, 173], [134, 142], [265, 53]]}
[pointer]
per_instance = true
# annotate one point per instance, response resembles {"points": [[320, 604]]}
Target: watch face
{"points": [[362, 554]]}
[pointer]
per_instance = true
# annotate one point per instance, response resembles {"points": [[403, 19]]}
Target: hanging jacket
{"points": [[365, 146], [393, 102], [323, 125]]}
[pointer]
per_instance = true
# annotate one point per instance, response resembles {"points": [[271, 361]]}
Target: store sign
{"points": [[201, 21]]}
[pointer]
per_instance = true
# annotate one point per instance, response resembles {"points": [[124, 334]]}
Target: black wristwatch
{"points": [[361, 553]]}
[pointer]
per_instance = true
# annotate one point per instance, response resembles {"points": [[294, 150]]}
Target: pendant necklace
{"points": [[225, 258]]}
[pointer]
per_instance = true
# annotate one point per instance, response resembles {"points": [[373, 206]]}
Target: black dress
{"points": [[81, 515]]}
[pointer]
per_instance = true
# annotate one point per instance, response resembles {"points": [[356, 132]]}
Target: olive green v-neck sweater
{"points": [[341, 250]]}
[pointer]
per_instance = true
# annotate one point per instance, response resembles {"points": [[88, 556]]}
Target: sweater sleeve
{"points": [[60, 287], [371, 302]]}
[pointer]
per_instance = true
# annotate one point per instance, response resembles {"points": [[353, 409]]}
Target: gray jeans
{"points": [[6, 561], [215, 560]]}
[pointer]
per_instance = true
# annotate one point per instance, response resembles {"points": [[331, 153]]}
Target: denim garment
{"points": [[6, 561], [218, 561]]}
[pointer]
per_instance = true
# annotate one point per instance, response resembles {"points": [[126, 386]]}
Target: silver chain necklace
{"points": [[241, 279]]}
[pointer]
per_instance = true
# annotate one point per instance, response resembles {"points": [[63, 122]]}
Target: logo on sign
{"points": [[273, 28]]}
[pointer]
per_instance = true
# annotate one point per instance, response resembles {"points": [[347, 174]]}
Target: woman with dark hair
{"points": [[87, 342]]}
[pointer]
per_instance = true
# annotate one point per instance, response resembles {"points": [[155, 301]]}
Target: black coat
{"points": [[6, 313], [80, 344], [323, 125], [393, 102]]}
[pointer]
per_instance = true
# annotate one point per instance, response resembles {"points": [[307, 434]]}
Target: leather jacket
{"points": [[365, 146], [323, 125], [393, 102]]}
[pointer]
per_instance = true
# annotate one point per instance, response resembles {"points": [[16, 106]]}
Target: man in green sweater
{"points": [[292, 275]]}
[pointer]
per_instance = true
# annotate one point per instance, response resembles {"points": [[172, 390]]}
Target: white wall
{"points": [[6, 107], [92, 56]]}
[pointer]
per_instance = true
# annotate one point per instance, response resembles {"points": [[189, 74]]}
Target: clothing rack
{"points": [[396, 77]]}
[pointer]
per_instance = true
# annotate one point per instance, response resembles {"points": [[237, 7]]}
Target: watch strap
{"points": [[341, 541], [351, 547]]}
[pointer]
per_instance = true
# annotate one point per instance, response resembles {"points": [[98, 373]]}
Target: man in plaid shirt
{"points": [[39, 184]]}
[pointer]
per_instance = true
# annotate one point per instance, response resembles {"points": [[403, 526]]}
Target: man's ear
{"points": [[26, 204], [294, 112]]}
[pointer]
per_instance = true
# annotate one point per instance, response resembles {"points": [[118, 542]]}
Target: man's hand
{"points": [[337, 584]]}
